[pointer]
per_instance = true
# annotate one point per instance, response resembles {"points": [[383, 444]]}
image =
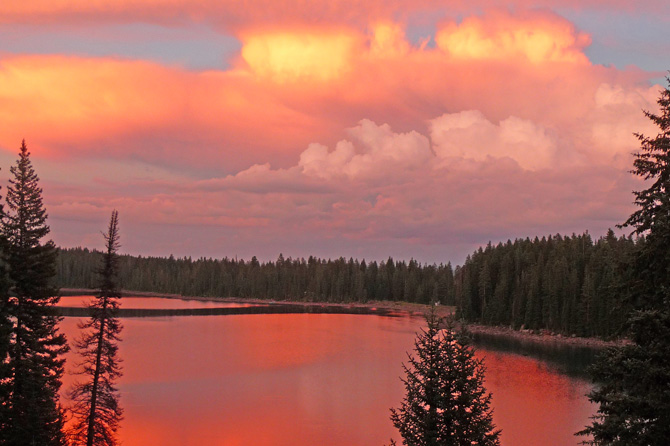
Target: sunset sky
{"points": [[356, 128]]}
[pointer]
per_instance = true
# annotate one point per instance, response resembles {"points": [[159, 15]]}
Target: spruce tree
{"points": [[634, 390], [651, 284], [446, 403], [96, 399], [31, 414]]}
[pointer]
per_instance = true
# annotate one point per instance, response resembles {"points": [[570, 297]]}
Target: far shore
{"points": [[414, 309]]}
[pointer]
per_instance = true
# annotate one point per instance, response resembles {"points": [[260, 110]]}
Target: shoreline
{"points": [[545, 337], [413, 309]]}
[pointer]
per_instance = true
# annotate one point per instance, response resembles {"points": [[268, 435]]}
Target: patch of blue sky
{"points": [[195, 47], [622, 39], [423, 34], [422, 26]]}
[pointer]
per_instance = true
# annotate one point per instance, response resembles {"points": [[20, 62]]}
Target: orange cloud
{"points": [[300, 56], [388, 40], [110, 107], [293, 88], [63, 98], [501, 36]]}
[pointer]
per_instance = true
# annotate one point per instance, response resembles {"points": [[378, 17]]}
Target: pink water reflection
{"points": [[307, 379]]}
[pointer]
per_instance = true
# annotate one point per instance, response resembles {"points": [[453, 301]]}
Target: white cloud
{"points": [[376, 148], [469, 135]]}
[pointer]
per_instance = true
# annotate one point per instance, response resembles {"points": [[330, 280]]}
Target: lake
{"points": [[309, 379]]}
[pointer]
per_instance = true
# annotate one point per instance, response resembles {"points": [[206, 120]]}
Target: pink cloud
{"points": [[470, 135], [385, 188], [264, 111], [385, 148], [378, 145]]}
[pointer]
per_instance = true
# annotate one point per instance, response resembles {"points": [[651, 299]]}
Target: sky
{"points": [[358, 128]]}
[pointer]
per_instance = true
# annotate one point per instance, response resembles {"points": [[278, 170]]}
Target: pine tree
{"points": [[634, 395], [32, 414], [96, 399], [446, 403]]}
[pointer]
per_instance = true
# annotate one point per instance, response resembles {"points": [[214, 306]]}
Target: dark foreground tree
{"points": [[6, 328], [5, 370], [96, 399], [446, 403], [651, 281], [32, 413], [634, 390]]}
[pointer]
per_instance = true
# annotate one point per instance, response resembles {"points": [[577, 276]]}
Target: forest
{"points": [[565, 284], [569, 285]]}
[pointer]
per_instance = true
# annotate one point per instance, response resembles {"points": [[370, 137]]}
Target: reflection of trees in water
{"points": [[570, 360], [223, 311]]}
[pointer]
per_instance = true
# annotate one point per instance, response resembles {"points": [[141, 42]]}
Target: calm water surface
{"points": [[309, 379]]}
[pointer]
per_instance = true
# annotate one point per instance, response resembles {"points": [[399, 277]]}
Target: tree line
{"points": [[311, 279], [566, 284]]}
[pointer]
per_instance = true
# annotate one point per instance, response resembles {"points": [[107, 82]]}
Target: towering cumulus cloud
{"points": [[534, 38]]}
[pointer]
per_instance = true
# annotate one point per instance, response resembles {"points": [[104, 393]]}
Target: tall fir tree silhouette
{"points": [[31, 414]]}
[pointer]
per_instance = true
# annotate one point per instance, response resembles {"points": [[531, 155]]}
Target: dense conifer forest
{"points": [[569, 285], [313, 279]]}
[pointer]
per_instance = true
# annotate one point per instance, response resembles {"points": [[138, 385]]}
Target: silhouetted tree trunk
{"points": [[96, 399]]}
